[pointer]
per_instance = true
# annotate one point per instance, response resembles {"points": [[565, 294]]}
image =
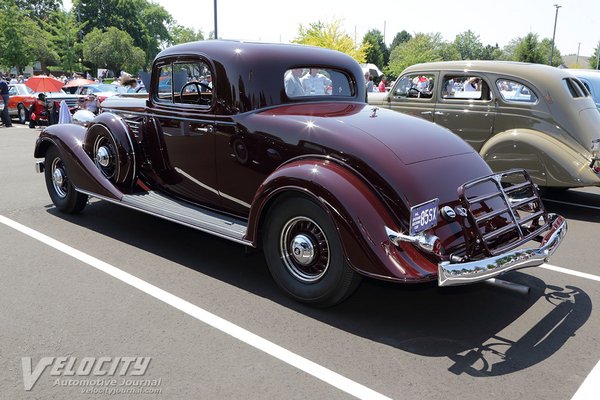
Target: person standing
{"points": [[5, 97], [293, 86]]}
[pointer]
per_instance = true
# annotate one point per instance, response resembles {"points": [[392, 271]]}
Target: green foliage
{"points": [[528, 49], [113, 49], [378, 53], [144, 21], [401, 37], [17, 36], [421, 48], [331, 36], [593, 62], [469, 46], [64, 36], [545, 47], [180, 34], [39, 10]]}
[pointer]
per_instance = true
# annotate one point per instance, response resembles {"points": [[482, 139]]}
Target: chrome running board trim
{"points": [[180, 212]]}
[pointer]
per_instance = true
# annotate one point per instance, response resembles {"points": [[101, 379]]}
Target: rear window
{"points": [[313, 81]]}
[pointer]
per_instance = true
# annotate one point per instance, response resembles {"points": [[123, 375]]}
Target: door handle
{"points": [[438, 113], [426, 112], [204, 129]]}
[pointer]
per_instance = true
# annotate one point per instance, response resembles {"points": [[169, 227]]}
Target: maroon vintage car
{"points": [[274, 147]]}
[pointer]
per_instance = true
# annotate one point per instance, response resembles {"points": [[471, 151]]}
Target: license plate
{"points": [[423, 216]]}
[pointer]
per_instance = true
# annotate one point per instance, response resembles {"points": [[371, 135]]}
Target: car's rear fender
{"points": [[358, 212], [81, 169], [549, 161]]}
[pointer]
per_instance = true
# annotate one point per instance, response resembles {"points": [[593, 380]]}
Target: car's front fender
{"points": [[82, 171], [358, 212], [548, 161]]}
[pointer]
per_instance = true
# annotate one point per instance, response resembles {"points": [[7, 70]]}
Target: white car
{"points": [[591, 80]]}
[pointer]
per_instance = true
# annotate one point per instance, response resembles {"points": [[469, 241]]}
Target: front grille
{"points": [[504, 211]]}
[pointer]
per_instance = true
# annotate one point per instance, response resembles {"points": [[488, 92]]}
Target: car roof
{"points": [[528, 71], [255, 71]]}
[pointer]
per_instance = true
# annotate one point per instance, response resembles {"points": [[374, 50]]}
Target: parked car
{"points": [[591, 80], [102, 91], [330, 188], [516, 115], [22, 98]]}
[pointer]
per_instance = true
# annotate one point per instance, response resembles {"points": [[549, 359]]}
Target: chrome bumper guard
{"points": [[450, 274]]}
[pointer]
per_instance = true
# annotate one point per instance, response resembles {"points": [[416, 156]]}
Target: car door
{"points": [[466, 106], [413, 94], [182, 119]]}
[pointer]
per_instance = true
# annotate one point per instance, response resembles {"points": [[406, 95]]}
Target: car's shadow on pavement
{"points": [[575, 204], [464, 324]]}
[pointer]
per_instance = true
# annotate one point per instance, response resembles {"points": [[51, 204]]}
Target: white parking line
{"points": [[572, 204], [326, 375], [571, 272], [590, 389]]}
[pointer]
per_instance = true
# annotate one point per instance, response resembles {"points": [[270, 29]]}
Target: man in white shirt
{"points": [[314, 83]]}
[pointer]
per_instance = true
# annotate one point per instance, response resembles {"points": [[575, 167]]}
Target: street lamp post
{"points": [[216, 34], [553, 34]]}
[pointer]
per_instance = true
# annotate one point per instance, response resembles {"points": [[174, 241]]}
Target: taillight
{"points": [[101, 98]]}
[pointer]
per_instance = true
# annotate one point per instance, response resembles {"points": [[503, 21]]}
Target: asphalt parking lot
{"points": [[203, 319]]}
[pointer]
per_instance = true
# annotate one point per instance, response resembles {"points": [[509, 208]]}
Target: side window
{"points": [[185, 83], [472, 87], [512, 91], [164, 92], [12, 91], [415, 86]]}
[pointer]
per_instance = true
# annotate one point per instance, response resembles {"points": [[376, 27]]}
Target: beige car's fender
{"points": [[549, 161]]}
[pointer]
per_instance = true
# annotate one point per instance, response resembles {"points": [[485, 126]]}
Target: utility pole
{"points": [[597, 54], [216, 34], [553, 35], [577, 59]]}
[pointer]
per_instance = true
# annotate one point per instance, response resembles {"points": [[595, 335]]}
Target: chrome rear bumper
{"points": [[450, 274]]}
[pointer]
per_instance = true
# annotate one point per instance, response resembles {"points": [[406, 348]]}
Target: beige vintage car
{"points": [[517, 115]]}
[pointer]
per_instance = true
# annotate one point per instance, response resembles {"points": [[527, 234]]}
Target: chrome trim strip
{"points": [[450, 274], [197, 227], [211, 189]]}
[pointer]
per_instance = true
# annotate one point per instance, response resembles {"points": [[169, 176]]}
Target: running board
{"points": [[159, 205]]}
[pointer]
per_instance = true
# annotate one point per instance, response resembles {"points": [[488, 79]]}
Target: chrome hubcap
{"points": [[103, 157], [59, 178], [304, 249]]}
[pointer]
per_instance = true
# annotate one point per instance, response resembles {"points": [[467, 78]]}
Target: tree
{"points": [[113, 49], [469, 46], [594, 58], [145, 22], [401, 37], [378, 53], [180, 34], [16, 28], [64, 30], [39, 10], [527, 49], [421, 48], [545, 48], [331, 36]]}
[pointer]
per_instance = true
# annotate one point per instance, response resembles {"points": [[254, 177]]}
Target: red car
{"points": [[22, 97], [330, 188]]}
